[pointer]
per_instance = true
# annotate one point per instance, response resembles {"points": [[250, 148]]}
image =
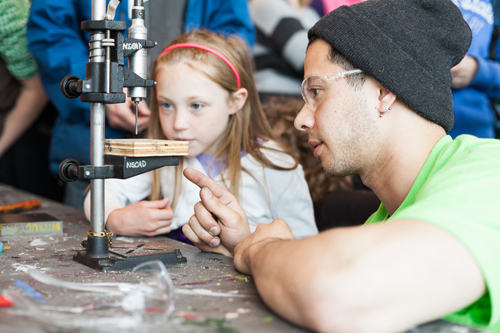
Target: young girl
{"points": [[206, 95]]}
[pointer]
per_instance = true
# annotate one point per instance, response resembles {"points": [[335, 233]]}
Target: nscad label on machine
{"points": [[137, 164], [132, 46]]}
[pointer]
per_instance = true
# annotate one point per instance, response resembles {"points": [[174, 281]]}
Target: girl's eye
{"points": [[196, 106], [166, 105]]}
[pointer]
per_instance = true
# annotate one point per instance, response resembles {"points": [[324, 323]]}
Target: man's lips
{"points": [[316, 145]]}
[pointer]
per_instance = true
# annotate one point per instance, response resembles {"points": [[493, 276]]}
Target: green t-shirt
{"points": [[458, 189]]}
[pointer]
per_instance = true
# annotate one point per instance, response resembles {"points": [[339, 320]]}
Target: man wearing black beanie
{"points": [[378, 104]]}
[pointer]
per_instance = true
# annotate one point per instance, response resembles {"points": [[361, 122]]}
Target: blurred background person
{"points": [[323, 7], [476, 79], [26, 117], [280, 50]]}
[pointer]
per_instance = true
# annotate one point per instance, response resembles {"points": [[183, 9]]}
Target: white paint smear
{"points": [[208, 292], [231, 315], [38, 242]]}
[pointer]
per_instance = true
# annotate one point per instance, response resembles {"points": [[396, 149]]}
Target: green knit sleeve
{"points": [[13, 44]]}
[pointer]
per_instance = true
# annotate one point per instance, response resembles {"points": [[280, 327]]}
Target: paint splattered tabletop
{"points": [[210, 295]]}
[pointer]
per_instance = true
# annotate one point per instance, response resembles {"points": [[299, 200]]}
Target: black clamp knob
{"points": [[68, 170], [69, 87]]}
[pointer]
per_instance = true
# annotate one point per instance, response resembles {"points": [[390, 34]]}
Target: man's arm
{"points": [[386, 277], [29, 106]]}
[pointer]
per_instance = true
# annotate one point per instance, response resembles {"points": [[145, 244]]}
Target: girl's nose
{"points": [[180, 121], [305, 119]]}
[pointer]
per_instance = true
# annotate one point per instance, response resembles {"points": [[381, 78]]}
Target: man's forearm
{"points": [[358, 278], [283, 276]]}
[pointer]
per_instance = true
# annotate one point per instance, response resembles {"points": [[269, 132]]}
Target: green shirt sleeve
{"points": [[13, 45], [458, 190]]}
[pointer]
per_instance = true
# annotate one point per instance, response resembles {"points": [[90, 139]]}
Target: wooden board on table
{"points": [[145, 147]]}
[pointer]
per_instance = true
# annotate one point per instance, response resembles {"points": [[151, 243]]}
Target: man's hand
{"points": [[144, 218], [122, 116], [463, 73], [219, 222], [265, 233]]}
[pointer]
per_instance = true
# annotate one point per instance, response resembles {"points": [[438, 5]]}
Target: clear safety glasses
{"points": [[316, 88]]}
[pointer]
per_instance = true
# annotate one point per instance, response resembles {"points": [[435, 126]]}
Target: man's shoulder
{"points": [[470, 147]]}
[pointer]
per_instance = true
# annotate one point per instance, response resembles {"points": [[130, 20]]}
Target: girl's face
{"points": [[192, 107]]}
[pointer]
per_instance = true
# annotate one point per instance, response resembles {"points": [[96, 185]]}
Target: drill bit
{"points": [[136, 115]]}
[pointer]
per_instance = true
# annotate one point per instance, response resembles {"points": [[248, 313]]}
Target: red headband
{"points": [[206, 48]]}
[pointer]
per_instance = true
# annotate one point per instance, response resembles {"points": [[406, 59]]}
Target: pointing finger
{"points": [[201, 180], [214, 206]]}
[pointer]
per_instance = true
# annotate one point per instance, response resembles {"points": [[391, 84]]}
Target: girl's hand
{"points": [[144, 218], [219, 222]]}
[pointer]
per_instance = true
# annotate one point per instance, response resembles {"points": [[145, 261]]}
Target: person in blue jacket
{"points": [[61, 48], [476, 79]]}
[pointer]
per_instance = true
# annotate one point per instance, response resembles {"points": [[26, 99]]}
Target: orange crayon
{"points": [[19, 206]]}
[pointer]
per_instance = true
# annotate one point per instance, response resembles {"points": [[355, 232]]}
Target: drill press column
{"points": [[99, 248]]}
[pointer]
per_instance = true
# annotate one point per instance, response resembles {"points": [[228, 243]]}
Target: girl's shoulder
{"points": [[275, 153]]}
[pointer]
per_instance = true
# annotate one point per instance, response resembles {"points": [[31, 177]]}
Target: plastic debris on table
{"points": [[97, 307]]}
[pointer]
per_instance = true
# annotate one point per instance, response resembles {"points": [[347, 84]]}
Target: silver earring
{"points": [[389, 109], [381, 114]]}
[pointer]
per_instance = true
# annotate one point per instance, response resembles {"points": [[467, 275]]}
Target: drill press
{"points": [[106, 76]]}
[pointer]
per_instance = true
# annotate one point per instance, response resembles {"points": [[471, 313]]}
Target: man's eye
{"points": [[314, 92], [196, 106]]}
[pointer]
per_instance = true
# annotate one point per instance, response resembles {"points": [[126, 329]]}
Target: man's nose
{"points": [[305, 119]]}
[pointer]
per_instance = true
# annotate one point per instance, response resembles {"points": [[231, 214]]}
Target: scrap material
{"points": [[5, 302], [29, 224], [145, 147], [19, 206]]}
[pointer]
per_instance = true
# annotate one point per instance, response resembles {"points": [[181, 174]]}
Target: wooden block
{"points": [[145, 147]]}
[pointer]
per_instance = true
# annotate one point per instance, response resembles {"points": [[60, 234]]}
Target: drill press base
{"points": [[127, 256]]}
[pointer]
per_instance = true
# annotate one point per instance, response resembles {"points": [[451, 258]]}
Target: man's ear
{"points": [[386, 99], [238, 99]]}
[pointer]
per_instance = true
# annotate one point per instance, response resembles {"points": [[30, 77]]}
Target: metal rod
{"points": [[107, 74], [97, 114]]}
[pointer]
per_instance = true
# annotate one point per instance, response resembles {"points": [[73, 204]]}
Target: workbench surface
{"points": [[211, 296]]}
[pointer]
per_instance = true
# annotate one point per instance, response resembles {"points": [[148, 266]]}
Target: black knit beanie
{"points": [[409, 46]]}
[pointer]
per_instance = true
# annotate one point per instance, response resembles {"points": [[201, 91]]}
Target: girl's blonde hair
{"points": [[245, 128]]}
